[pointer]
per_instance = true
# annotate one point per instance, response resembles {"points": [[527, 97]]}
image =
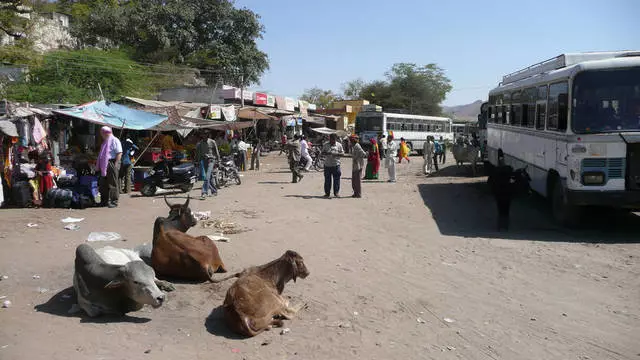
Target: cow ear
{"points": [[294, 269], [114, 284]]}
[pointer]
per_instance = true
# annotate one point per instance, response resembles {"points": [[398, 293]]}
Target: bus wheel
{"points": [[563, 212]]}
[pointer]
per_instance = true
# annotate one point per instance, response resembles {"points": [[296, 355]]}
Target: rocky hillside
{"points": [[464, 112]]}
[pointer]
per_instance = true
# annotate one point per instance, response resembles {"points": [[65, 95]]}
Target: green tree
{"points": [[210, 35], [73, 77], [14, 17], [410, 87], [353, 89], [324, 99]]}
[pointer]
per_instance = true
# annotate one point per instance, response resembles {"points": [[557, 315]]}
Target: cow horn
{"points": [[167, 201], [186, 204]]}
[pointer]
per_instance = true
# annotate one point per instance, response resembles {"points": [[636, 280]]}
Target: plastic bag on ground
{"points": [[104, 236]]}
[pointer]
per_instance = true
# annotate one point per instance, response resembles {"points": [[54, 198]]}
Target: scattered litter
{"points": [[218, 238], [234, 350], [420, 321], [226, 227], [355, 313], [71, 220], [4, 277], [265, 343], [32, 225], [104, 236], [448, 320], [285, 331], [448, 264], [72, 227], [202, 215], [533, 319], [564, 314], [36, 277], [6, 304], [4, 346], [450, 348], [42, 290], [147, 351], [3, 297]]}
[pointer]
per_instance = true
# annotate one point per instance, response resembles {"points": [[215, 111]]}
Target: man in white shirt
{"points": [[428, 152], [242, 149], [392, 151], [332, 151], [304, 152], [108, 164]]}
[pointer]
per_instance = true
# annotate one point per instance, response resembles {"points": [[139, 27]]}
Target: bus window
{"points": [[516, 115], [529, 107], [541, 107], [558, 106]]}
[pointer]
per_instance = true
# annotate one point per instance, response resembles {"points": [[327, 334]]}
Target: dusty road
{"points": [[413, 270]]}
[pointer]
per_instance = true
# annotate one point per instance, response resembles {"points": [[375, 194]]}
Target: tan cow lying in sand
{"points": [[254, 302]]}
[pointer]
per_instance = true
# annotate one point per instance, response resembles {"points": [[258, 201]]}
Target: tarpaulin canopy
{"points": [[8, 128], [254, 113], [327, 131], [115, 115]]}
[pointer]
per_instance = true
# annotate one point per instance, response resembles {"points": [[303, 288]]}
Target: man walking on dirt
{"points": [[207, 154], [427, 152], [294, 158]]}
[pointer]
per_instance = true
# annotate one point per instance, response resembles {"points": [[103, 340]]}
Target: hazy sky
{"points": [[325, 43]]}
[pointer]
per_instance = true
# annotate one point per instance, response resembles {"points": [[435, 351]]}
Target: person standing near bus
{"points": [[443, 151], [382, 142], [437, 150], [392, 149], [404, 151], [428, 152]]}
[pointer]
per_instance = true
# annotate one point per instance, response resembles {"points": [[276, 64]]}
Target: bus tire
{"points": [[563, 213]]}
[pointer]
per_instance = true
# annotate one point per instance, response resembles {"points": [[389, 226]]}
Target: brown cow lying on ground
{"points": [[254, 302], [179, 255]]}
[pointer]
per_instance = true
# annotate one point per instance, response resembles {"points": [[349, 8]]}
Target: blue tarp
{"points": [[114, 115]]}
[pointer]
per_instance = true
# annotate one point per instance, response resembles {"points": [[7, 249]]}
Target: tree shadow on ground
{"points": [[215, 325], [468, 209], [60, 304]]}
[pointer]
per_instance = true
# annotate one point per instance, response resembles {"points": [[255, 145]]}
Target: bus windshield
{"points": [[606, 101], [369, 123]]}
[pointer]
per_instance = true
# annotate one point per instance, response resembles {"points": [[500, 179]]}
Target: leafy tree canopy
{"points": [[322, 98], [409, 87], [206, 34], [73, 77]]}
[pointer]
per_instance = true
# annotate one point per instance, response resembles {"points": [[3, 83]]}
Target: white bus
{"points": [[413, 128], [575, 121]]}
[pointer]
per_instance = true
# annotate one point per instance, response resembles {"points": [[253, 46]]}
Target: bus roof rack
{"points": [[562, 61]]}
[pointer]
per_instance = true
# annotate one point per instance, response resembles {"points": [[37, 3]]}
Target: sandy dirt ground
{"points": [[413, 270]]}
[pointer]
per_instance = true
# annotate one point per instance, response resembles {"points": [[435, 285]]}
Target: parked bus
{"points": [[575, 121], [413, 128]]}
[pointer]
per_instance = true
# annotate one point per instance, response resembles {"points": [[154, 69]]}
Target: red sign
{"points": [[259, 98]]}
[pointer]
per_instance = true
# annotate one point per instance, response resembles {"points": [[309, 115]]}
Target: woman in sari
{"points": [[373, 161], [404, 151]]}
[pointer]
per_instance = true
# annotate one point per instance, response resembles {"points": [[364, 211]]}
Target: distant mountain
{"points": [[468, 112]]}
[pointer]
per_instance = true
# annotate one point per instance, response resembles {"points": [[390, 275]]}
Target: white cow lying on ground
{"points": [[107, 288]]}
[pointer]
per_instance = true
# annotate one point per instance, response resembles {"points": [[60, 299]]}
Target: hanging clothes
{"points": [[39, 133]]}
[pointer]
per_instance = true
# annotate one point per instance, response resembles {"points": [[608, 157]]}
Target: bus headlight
{"points": [[593, 178]]}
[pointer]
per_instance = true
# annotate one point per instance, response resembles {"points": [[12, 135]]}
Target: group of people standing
{"points": [[382, 148], [434, 151]]}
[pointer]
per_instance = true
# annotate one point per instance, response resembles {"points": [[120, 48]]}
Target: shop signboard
{"points": [[214, 112], [259, 98], [271, 100], [290, 104]]}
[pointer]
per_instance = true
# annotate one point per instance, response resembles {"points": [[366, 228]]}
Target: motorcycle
{"points": [[227, 171], [167, 175]]}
